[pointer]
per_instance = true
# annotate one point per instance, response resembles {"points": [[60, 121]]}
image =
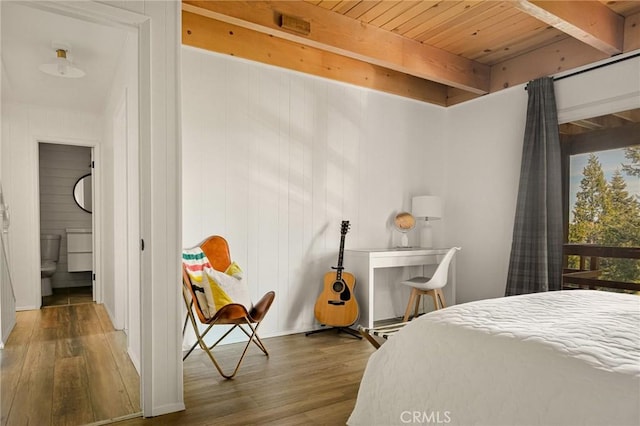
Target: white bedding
{"points": [[557, 358]]}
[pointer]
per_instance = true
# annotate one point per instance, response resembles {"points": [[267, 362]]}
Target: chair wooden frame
{"points": [[416, 294], [234, 314]]}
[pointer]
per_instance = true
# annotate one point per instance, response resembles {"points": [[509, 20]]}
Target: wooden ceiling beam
{"points": [[221, 37], [632, 32], [554, 58], [344, 36], [588, 124], [458, 96], [630, 115], [616, 137], [590, 22]]}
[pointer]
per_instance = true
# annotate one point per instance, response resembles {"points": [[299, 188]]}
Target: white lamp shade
{"points": [[61, 68], [427, 206]]}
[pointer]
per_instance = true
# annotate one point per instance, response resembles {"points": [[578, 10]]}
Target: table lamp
{"points": [[426, 207]]}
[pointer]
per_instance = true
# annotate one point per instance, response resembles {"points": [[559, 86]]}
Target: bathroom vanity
{"points": [[79, 250]]}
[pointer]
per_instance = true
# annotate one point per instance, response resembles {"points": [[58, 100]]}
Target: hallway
{"points": [[66, 365]]}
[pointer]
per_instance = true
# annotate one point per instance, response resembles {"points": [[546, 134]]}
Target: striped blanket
{"points": [[195, 261]]}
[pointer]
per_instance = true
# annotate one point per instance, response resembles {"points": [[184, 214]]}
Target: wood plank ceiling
{"points": [[442, 52], [609, 121]]}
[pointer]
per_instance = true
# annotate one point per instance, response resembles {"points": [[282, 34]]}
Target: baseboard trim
{"points": [[134, 360], [117, 419], [166, 409], [27, 308]]}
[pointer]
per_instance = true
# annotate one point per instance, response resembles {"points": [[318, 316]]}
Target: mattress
{"points": [[556, 358]]}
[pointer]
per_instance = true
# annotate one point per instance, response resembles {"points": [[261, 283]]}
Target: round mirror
{"points": [[82, 193]]}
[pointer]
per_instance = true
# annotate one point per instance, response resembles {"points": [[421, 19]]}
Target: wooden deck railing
{"points": [[587, 276]]}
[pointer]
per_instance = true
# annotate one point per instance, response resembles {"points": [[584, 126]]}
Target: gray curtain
{"points": [[536, 250]]}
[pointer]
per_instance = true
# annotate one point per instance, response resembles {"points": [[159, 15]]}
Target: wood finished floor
{"points": [[68, 296], [310, 380], [66, 365]]}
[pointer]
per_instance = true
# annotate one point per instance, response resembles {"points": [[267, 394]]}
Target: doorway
{"points": [[156, 26], [66, 223], [55, 116]]}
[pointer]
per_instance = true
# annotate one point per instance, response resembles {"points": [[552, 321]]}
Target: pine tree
{"points": [[591, 203], [632, 154], [620, 228]]}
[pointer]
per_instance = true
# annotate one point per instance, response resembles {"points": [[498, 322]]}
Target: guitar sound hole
{"points": [[338, 286]]}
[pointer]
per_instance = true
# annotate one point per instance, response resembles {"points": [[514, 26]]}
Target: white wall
{"points": [[160, 205], [483, 157], [274, 161], [121, 289], [23, 127], [7, 299]]}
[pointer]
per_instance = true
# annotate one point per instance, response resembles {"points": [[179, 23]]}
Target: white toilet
{"points": [[49, 255]]}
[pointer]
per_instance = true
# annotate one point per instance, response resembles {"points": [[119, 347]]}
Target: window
{"points": [[601, 172]]}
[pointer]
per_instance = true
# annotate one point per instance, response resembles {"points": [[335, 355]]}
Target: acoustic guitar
{"points": [[337, 306]]}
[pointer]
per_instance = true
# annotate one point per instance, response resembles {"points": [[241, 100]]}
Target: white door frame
{"points": [[96, 215], [120, 208], [158, 74]]}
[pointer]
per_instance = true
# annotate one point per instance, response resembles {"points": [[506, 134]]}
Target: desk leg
{"points": [[372, 300], [364, 278]]}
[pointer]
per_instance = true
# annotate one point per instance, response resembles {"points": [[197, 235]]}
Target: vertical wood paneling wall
{"points": [[121, 262], [60, 167], [7, 299], [22, 126], [274, 161], [7, 302]]}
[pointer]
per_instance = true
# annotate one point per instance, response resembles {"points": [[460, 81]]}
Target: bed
{"points": [[557, 358]]}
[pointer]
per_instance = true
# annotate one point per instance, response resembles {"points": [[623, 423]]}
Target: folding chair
{"points": [[385, 332], [216, 250]]}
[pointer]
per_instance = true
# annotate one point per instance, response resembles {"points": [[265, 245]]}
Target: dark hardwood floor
{"points": [[310, 380], [68, 296], [66, 365]]}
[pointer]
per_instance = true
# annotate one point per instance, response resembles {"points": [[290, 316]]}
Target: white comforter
{"points": [[557, 358]]}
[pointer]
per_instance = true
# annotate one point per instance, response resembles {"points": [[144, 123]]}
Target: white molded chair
{"points": [[431, 286]]}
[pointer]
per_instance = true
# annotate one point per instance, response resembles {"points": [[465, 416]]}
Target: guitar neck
{"points": [[340, 259]]}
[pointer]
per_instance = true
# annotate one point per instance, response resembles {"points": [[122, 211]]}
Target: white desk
{"points": [[362, 263]]}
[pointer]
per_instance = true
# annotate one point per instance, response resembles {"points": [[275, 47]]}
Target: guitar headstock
{"points": [[344, 228]]}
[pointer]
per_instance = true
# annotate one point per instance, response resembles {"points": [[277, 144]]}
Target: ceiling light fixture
{"points": [[61, 66]]}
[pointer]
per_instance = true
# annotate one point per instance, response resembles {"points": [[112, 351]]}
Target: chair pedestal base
{"points": [[343, 329]]}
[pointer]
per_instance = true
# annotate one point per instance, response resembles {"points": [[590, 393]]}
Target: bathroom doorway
{"points": [[66, 224]]}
